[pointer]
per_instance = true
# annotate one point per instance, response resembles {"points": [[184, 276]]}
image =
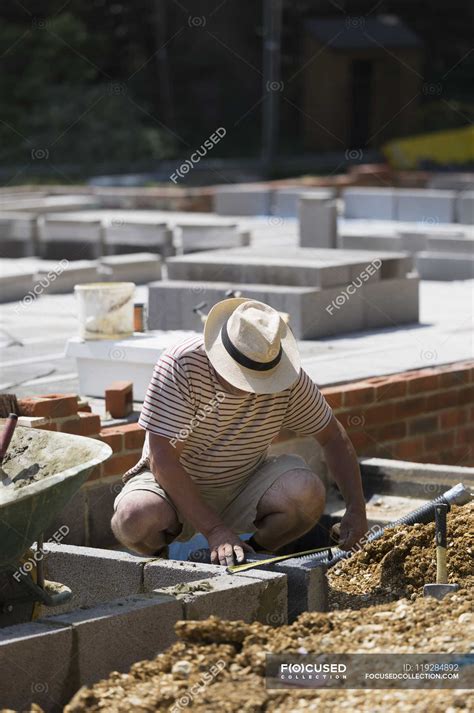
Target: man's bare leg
{"points": [[145, 522], [289, 508]]}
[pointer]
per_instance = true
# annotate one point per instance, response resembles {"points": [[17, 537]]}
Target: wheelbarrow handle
{"points": [[6, 435]]}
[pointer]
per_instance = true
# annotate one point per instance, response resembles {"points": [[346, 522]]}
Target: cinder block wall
{"points": [[425, 416]]}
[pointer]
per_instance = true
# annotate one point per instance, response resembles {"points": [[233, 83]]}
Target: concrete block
{"points": [[94, 575], [191, 237], [465, 208], [160, 573], [373, 203], [60, 277], [139, 267], [462, 245], [391, 302], [73, 515], [425, 206], [285, 201], [100, 508], [274, 600], [15, 285], [71, 239], [244, 199], [231, 597], [445, 266], [307, 586], [318, 223], [113, 636], [412, 241], [37, 665], [125, 236], [18, 235], [349, 241]]}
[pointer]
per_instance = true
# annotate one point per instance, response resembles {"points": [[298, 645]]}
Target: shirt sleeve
{"points": [[168, 406], [308, 412]]}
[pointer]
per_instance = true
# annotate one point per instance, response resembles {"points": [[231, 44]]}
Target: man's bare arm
{"points": [[342, 462], [170, 474]]}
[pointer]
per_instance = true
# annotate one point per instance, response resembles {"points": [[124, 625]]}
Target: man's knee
{"points": [[300, 493], [137, 516]]}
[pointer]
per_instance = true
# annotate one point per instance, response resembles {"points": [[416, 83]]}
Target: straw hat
{"points": [[249, 345]]}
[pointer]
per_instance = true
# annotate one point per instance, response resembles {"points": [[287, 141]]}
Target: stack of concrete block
{"points": [[310, 284], [71, 239], [364, 241], [285, 201], [137, 267], [465, 207], [18, 234], [317, 222], [425, 205], [373, 203], [242, 199], [433, 265], [192, 237], [129, 236], [41, 204]]}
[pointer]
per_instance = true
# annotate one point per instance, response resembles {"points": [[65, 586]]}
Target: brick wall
{"points": [[425, 416]]}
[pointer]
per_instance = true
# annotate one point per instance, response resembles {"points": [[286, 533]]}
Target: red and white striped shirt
{"points": [[226, 436]]}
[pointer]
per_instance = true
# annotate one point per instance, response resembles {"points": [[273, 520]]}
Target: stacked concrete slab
{"points": [[71, 239], [317, 222], [18, 234], [427, 206], [126, 235], [309, 284], [242, 199]]}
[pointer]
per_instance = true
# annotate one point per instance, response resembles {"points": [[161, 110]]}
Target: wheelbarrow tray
{"points": [[27, 511]]}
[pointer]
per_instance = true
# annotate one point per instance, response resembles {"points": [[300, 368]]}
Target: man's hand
{"points": [[352, 527], [225, 545]]}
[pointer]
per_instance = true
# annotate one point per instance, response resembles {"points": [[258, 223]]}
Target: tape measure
{"points": [[236, 568]]}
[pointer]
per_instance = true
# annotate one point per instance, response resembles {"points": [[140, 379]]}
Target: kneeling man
{"points": [[213, 407]]}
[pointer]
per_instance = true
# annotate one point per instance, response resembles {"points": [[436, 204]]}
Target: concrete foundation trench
{"points": [[126, 609]]}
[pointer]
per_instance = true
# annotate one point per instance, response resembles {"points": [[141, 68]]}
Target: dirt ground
{"points": [[219, 666]]}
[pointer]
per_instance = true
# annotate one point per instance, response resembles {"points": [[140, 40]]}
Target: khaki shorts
{"points": [[237, 508]]}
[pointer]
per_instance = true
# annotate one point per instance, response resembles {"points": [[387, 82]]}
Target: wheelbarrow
{"points": [[44, 470]]}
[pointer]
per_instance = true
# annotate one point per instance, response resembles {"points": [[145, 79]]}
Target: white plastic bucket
{"points": [[105, 309]]}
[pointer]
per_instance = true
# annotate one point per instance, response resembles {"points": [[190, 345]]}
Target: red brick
{"points": [[465, 436], [119, 464], [390, 389], [426, 424], [455, 376], [442, 400], [419, 384], [360, 439], [379, 414], [453, 417], [411, 407], [134, 435], [411, 449], [119, 398], [334, 396], [439, 441], [84, 408], [52, 405], [391, 432], [90, 423], [70, 425], [466, 395], [358, 394], [113, 437]]}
